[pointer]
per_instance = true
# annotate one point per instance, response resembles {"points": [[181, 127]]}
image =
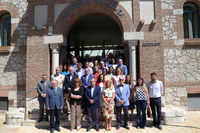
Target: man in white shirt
{"points": [[80, 71], [155, 88]]}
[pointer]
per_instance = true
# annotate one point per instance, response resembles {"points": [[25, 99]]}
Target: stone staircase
{"points": [[170, 115], [65, 120]]}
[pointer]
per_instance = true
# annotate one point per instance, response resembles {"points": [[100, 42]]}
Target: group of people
{"points": [[99, 89]]}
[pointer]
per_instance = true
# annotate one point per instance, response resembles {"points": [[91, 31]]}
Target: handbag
{"points": [[149, 112]]}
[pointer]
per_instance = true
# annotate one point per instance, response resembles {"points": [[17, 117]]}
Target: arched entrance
{"points": [[81, 9], [93, 35]]}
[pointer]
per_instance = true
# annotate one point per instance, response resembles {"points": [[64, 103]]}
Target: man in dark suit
{"points": [[92, 95], [69, 83], [54, 103], [85, 79], [42, 89]]}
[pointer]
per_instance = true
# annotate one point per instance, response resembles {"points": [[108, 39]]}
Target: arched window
{"points": [[5, 29]]}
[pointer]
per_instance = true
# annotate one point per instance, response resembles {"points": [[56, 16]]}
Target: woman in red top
{"points": [[101, 83], [96, 72]]}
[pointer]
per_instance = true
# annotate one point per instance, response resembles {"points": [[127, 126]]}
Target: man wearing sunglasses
{"points": [[122, 94]]}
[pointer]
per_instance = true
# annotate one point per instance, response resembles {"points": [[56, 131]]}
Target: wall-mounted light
{"points": [[142, 22], [34, 28], [44, 27], [154, 21]]}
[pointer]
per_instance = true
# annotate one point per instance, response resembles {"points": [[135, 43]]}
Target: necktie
{"points": [[44, 85], [55, 90], [121, 85]]}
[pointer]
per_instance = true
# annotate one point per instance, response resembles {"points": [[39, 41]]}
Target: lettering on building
{"points": [[112, 5], [150, 44]]}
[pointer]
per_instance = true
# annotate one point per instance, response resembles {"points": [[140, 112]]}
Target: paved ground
{"points": [[191, 125]]}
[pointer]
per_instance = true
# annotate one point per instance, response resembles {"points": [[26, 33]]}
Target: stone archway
{"points": [[78, 10], [109, 8]]}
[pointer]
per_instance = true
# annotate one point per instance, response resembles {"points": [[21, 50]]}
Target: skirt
{"points": [[108, 111], [131, 106]]}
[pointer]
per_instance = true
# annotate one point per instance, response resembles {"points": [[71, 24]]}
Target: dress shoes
{"points": [[39, 121], [58, 129], [117, 127], [127, 127], [97, 129], [159, 127], [88, 129]]}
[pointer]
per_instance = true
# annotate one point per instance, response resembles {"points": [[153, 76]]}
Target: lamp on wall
{"points": [[34, 28], [154, 21], [44, 27], [142, 22]]}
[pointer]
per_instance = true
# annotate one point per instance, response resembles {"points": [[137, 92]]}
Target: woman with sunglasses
{"points": [[76, 94]]}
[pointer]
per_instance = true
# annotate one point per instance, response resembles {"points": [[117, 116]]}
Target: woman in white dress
{"points": [[108, 96]]}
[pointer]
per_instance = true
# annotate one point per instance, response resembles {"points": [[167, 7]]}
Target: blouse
{"points": [[79, 92], [108, 92], [141, 95]]}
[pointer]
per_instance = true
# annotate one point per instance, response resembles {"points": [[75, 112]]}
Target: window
{"points": [[5, 29], [191, 20]]}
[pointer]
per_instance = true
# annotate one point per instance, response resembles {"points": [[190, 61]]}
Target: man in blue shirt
{"points": [[124, 67], [80, 71], [74, 65]]}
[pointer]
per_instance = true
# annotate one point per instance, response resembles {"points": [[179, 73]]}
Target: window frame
{"points": [[8, 28], [190, 26]]}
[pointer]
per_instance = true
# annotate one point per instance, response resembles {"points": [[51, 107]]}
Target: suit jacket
{"points": [[124, 68], [60, 80], [53, 99], [41, 90], [96, 95], [122, 96], [84, 82], [68, 83]]}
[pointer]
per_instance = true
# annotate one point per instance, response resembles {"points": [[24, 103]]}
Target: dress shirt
{"points": [[155, 90], [100, 70], [57, 77], [71, 76], [102, 58], [114, 66], [74, 66], [121, 88], [79, 73], [107, 64], [87, 78], [92, 90]]}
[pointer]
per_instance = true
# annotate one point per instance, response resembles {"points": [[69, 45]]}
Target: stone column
{"points": [[132, 59], [55, 56]]}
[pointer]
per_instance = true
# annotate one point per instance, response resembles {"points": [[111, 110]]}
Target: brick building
{"points": [[158, 36]]}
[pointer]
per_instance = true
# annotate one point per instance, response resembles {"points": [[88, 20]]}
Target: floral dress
{"points": [[108, 111]]}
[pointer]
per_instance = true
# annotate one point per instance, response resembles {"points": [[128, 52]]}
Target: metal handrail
{"points": [[25, 115]]}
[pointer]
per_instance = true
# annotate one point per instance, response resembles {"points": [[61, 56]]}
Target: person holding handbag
{"points": [[141, 101]]}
